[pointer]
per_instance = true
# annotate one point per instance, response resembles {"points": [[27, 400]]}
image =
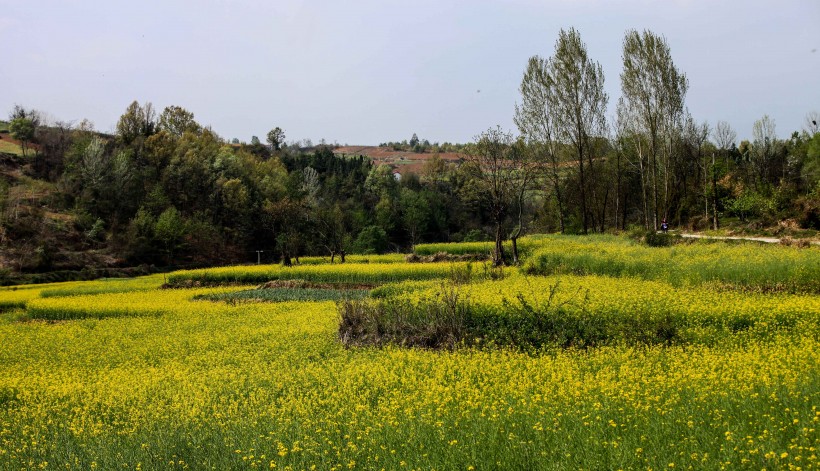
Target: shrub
{"points": [[654, 239]]}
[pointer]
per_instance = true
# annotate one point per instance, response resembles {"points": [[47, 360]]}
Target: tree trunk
{"points": [[498, 255], [514, 240], [583, 190], [714, 195]]}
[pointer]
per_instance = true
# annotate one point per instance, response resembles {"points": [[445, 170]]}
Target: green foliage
{"points": [[355, 273], [476, 235], [276, 137], [532, 313], [23, 130], [371, 240], [170, 229], [751, 205], [176, 120], [138, 122], [655, 239]]}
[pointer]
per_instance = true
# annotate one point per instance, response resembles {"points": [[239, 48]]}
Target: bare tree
{"points": [[812, 123], [725, 138], [695, 135], [524, 155], [497, 169], [764, 148]]}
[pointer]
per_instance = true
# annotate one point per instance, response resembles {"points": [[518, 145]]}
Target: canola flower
{"points": [[17, 296], [206, 385], [106, 285], [153, 379]]}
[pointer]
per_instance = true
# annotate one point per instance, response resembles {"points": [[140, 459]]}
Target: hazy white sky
{"points": [[364, 72]]}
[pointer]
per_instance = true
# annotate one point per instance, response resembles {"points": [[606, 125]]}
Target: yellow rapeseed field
{"points": [[152, 379]]}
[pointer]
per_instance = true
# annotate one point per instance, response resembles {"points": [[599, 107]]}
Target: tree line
{"points": [[653, 162], [166, 190]]}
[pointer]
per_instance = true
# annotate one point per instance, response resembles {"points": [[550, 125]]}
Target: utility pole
{"points": [[259, 256]]}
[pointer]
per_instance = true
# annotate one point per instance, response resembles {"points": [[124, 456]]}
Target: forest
{"points": [[167, 191]]}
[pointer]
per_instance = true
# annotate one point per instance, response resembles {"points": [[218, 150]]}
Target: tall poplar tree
{"points": [[652, 107], [564, 103]]}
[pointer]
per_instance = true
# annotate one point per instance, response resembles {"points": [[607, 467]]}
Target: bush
{"points": [[449, 319], [476, 235], [654, 239], [372, 240]]}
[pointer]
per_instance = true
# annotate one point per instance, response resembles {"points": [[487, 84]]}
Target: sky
{"points": [[363, 72]]}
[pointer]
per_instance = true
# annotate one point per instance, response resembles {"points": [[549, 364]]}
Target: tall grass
{"points": [[366, 273], [525, 246], [748, 266], [285, 294]]}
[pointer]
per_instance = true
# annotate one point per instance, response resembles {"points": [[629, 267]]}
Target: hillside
{"points": [[39, 236], [9, 145], [401, 161]]}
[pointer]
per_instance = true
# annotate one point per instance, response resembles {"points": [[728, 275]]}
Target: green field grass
{"points": [[367, 273], [750, 266], [286, 294], [11, 148]]}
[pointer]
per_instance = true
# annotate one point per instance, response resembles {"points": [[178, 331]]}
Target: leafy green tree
{"points": [[371, 240], [23, 130], [414, 211], [176, 120], [137, 122], [579, 107], [276, 137], [651, 112], [535, 118], [170, 230]]}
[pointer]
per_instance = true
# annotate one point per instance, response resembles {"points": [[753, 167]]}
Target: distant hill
{"points": [[405, 162]]}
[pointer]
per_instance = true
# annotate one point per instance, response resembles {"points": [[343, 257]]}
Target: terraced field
{"points": [[589, 357]]}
